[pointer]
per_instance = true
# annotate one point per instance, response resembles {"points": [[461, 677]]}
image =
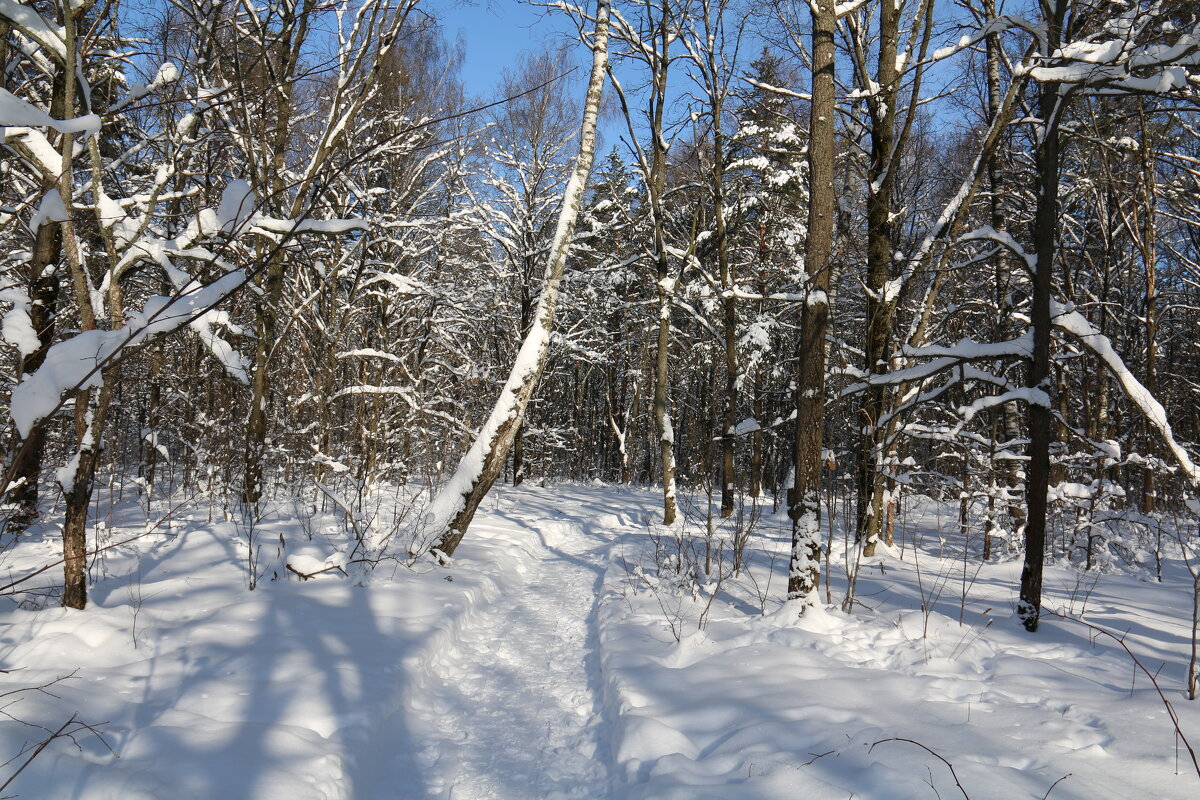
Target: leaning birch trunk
{"points": [[451, 511]]}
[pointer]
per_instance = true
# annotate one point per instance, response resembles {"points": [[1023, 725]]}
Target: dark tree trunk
{"points": [[518, 457], [880, 231], [804, 506], [26, 469], [265, 316], [1041, 424], [78, 496]]}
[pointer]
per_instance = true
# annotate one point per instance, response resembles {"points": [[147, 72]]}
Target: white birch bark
{"points": [[446, 519]]}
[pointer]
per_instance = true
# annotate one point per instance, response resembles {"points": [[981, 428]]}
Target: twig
{"points": [[1056, 783], [933, 753], [37, 751], [153, 529], [64, 732], [304, 576], [1170, 709]]}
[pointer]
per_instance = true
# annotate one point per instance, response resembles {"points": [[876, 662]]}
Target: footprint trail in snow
{"points": [[514, 712]]}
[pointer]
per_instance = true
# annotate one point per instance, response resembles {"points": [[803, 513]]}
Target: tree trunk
{"points": [[1149, 253], [26, 470], [729, 302], [265, 315], [999, 221], [804, 572], [518, 455], [665, 286], [149, 441], [293, 31], [90, 407], [756, 438], [452, 510], [880, 231], [1041, 425], [662, 375], [78, 494], [728, 473]]}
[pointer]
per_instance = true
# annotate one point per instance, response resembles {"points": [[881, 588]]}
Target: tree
{"points": [[713, 57], [804, 506], [890, 127], [451, 512], [530, 135], [648, 41]]}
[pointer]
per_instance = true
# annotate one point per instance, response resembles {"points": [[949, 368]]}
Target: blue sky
{"points": [[496, 33]]}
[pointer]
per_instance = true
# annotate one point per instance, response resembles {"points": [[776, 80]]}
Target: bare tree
{"points": [[452, 510], [804, 506]]}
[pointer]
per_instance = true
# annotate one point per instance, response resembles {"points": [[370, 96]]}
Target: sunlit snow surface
{"points": [[548, 668]]}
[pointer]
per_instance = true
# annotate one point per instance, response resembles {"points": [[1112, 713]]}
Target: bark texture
{"points": [[804, 571]]}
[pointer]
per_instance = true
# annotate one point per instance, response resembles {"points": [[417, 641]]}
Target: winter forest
{"points": [[739, 399]]}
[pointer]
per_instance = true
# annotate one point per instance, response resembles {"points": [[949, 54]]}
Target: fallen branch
{"points": [[306, 576]]}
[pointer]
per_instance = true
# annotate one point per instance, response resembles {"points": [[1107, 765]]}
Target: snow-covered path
{"points": [[513, 708], [501, 678], [474, 682]]}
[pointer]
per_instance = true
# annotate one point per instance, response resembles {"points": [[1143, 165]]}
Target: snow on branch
{"points": [[945, 357], [78, 362], [1003, 238], [999, 24], [1067, 319], [49, 37], [15, 112], [1114, 61]]}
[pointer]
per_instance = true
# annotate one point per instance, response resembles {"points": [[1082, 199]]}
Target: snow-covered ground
{"points": [[772, 703], [562, 656]]}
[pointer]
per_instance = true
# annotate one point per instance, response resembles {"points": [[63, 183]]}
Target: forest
{"points": [[723, 405]]}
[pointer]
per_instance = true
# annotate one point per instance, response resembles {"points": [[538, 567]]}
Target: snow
{"points": [[33, 25], [779, 704], [50, 209], [416, 686], [64, 476], [555, 659], [17, 328], [1071, 321], [369, 352], [37, 147], [1003, 238], [168, 72], [288, 226], [75, 362], [17, 113], [1033, 397], [238, 204], [748, 425], [514, 710]]}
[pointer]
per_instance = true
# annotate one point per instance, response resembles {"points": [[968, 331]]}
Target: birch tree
{"points": [[451, 511]]}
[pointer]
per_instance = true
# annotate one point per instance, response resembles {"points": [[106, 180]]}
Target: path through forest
{"points": [[516, 704], [483, 681]]}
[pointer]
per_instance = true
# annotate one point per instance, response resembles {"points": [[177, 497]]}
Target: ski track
{"points": [[514, 705]]}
